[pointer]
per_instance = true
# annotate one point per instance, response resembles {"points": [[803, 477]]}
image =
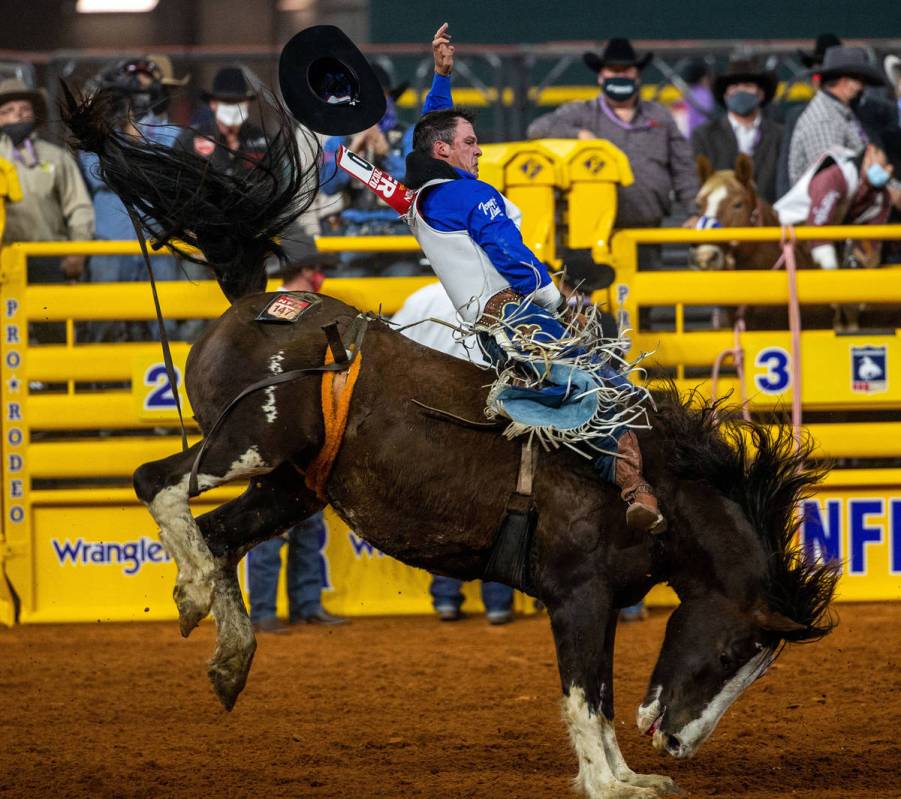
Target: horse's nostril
{"points": [[673, 744]]}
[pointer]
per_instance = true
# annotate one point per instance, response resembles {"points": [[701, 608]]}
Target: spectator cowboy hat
{"points": [[327, 83], [745, 70], [167, 73], [892, 68], [230, 86], [15, 89], [299, 253], [849, 62], [394, 92], [618, 53], [823, 42], [889, 140]]}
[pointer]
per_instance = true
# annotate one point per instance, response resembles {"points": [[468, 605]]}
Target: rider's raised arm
{"points": [[439, 96], [495, 232]]}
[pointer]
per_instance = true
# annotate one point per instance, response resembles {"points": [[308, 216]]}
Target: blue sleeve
{"points": [[439, 96], [494, 231], [90, 170], [332, 180]]}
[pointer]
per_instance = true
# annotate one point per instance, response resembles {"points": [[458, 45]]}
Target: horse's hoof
{"points": [[663, 786], [193, 602], [228, 674]]}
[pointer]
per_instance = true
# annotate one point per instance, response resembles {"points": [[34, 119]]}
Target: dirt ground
{"points": [[411, 707]]}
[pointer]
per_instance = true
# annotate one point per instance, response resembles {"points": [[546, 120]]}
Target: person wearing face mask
{"points": [[228, 137], [55, 205], [829, 119], [843, 187], [660, 157], [744, 91]]}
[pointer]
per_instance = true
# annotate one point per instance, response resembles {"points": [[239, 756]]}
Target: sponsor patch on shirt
{"points": [[203, 146], [287, 307], [490, 208]]}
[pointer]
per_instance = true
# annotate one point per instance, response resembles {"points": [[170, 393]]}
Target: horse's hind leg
{"points": [[270, 504], [163, 486]]}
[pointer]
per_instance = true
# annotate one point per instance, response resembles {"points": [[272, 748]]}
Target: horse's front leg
{"points": [[582, 626], [657, 782]]}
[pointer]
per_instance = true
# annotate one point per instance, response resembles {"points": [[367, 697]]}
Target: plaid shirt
{"points": [[825, 123]]}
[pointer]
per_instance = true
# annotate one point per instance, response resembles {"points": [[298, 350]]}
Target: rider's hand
{"points": [[443, 51], [72, 266]]}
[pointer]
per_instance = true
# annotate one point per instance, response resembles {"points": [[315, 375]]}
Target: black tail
{"points": [[231, 219]]}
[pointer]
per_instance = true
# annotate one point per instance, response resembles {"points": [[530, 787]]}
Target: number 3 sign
{"points": [[776, 377]]}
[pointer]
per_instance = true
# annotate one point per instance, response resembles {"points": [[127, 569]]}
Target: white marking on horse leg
{"points": [[595, 778], [269, 408], [649, 712], [621, 770], [693, 734], [275, 362], [235, 642], [183, 541]]}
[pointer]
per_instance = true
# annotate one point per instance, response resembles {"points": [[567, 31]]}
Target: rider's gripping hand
{"points": [[443, 51]]}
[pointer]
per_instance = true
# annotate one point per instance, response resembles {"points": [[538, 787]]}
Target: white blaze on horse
{"points": [[436, 493]]}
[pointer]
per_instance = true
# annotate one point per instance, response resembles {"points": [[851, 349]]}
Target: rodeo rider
{"points": [[470, 233]]}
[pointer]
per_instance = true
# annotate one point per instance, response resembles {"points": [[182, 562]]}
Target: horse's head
{"points": [[746, 587], [727, 198]]}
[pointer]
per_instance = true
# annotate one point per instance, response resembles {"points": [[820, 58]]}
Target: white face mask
{"points": [[231, 115]]}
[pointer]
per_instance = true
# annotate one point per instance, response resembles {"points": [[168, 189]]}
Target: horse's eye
{"points": [[737, 205]]}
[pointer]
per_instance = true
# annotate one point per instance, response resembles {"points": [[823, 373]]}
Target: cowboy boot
{"points": [[643, 514]]}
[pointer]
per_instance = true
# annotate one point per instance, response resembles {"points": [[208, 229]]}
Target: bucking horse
{"points": [[432, 489]]}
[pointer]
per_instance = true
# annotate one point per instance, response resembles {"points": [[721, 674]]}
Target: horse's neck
{"points": [[759, 254]]}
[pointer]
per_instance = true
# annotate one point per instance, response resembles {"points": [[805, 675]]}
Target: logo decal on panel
{"points": [[869, 367]]}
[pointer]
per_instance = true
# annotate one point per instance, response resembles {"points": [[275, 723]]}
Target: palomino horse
{"points": [[433, 493]]}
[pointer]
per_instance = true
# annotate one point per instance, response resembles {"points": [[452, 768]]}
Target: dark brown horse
{"points": [[433, 494]]}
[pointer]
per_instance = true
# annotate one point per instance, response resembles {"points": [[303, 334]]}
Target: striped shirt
{"points": [[826, 122]]}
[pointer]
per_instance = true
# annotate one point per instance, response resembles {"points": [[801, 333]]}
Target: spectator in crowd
{"points": [[829, 119], [844, 187], [351, 209], [228, 138], [432, 302], [135, 84], [697, 106], [893, 71], [660, 156], [789, 111], [744, 91], [55, 204], [300, 271], [152, 115]]}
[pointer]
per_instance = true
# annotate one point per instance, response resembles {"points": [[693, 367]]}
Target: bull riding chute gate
{"points": [[79, 418]]}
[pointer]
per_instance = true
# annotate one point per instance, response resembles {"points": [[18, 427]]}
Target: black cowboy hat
{"points": [[582, 272], [394, 92], [327, 83], [618, 53], [300, 253], [849, 62], [745, 70], [889, 140], [823, 42], [230, 86]]}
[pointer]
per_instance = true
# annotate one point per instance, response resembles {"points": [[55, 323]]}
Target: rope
{"points": [[794, 323]]}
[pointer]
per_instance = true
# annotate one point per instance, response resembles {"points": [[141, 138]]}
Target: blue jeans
{"points": [[304, 571], [446, 593]]}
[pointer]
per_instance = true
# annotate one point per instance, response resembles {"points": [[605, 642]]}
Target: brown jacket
{"points": [[660, 156], [55, 205]]}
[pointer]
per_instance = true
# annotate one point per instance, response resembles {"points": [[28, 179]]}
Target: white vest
{"points": [[462, 266], [794, 207]]}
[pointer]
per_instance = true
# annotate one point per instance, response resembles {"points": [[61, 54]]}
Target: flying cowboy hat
{"points": [[618, 53], [823, 42], [327, 83], [849, 62], [745, 70], [15, 89], [229, 86]]}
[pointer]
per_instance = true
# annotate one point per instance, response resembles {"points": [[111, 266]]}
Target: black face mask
{"points": [[742, 103], [620, 89], [856, 101], [18, 131]]}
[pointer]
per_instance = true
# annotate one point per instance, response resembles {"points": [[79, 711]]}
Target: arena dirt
{"points": [[410, 707]]}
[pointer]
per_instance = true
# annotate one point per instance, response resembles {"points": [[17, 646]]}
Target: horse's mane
{"points": [[763, 471]]}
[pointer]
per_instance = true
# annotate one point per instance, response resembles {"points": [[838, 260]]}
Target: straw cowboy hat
{"points": [[168, 73], [745, 70], [16, 89], [328, 84], [617, 53]]}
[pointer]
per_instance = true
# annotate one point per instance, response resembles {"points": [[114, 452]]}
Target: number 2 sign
{"points": [[154, 399]]}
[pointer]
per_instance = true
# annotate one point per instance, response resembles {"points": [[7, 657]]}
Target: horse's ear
{"points": [[744, 170], [776, 622], [704, 168]]}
